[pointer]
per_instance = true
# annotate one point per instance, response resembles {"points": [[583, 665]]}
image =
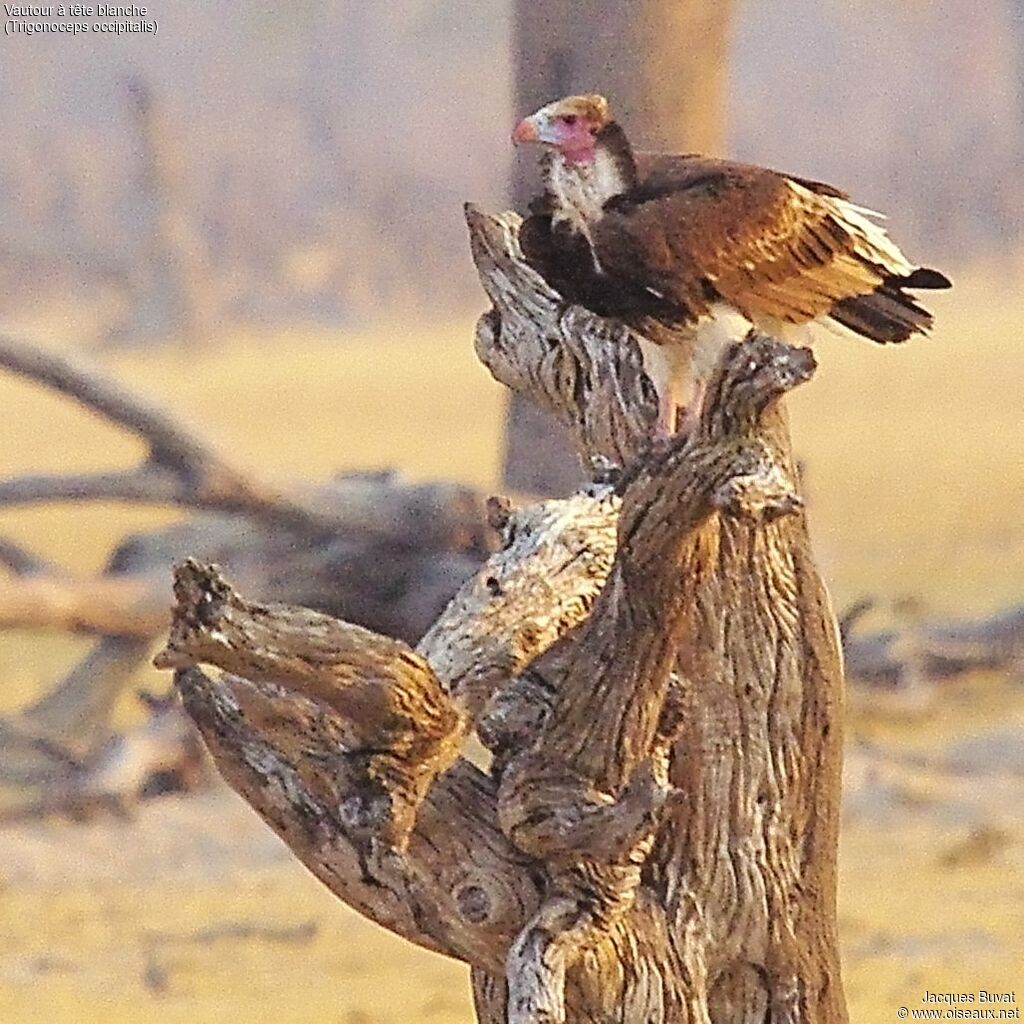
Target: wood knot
{"points": [[761, 496], [378, 815], [485, 901], [473, 902], [514, 715]]}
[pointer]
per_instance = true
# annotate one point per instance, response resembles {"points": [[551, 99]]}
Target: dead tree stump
{"points": [[655, 667]]}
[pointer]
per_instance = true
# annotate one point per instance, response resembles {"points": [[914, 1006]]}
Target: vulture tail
{"points": [[889, 314]]}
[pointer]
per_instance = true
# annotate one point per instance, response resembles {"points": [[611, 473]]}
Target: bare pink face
{"points": [[570, 126]]}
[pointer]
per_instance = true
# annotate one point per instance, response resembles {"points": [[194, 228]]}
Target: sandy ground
{"points": [[193, 911], [196, 912]]}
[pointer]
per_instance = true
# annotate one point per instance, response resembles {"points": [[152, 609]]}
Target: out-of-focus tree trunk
{"points": [[170, 296], [662, 64]]}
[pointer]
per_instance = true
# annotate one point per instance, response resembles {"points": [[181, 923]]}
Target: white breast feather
{"points": [[581, 190]]}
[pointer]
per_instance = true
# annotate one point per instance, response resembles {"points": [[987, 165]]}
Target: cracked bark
{"points": [[653, 664]]}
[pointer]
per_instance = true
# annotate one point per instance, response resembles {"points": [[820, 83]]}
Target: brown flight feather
{"points": [[690, 231]]}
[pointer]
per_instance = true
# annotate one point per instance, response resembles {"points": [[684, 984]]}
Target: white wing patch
{"points": [[870, 241]]}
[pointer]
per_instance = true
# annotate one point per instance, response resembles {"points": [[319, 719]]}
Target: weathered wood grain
{"points": [[655, 667]]}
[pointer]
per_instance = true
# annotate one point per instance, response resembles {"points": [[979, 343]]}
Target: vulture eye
{"points": [[570, 119]]}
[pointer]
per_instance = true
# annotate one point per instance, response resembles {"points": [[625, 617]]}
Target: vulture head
{"points": [[569, 125]]}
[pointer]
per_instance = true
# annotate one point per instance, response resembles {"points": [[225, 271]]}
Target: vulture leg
{"points": [[688, 415], [669, 367]]}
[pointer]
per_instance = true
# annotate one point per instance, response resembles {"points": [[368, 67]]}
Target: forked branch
{"points": [[397, 726], [653, 665], [459, 888], [413, 708], [586, 795]]}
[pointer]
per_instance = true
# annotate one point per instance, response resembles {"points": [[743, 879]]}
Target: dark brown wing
{"points": [[699, 230], [665, 168], [564, 259], [766, 244]]}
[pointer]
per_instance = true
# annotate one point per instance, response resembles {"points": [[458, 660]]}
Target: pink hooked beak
{"points": [[526, 131]]}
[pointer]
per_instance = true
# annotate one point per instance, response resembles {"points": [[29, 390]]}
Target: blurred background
{"points": [[251, 219]]}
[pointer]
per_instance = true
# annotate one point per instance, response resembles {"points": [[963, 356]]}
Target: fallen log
{"points": [[931, 650]]}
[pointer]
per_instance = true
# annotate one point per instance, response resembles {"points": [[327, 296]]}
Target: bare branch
{"points": [[126, 606], [161, 754], [390, 708], [74, 715], [150, 485], [390, 579], [460, 888], [183, 470], [524, 598], [555, 559], [171, 444], [21, 561], [937, 649], [192, 474]]}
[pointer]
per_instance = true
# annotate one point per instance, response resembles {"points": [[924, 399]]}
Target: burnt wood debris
{"points": [[654, 666]]}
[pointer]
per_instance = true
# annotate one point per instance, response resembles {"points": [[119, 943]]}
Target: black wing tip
{"points": [[887, 315], [925, 277], [879, 330]]}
